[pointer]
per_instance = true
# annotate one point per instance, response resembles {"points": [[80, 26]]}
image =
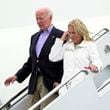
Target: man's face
{"points": [[43, 19]]}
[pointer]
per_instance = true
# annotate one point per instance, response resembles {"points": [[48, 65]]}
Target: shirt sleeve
{"points": [[57, 51], [94, 56]]}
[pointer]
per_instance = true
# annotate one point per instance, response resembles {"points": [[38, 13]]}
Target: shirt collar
{"points": [[47, 30], [50, 28], [82, 44]]}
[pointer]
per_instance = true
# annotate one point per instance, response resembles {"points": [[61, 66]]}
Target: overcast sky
{"points": [[21, 12]]}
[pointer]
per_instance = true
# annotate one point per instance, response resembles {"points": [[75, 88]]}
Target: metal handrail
{"points": [[8, 103], [100, 33], [56, 89], [106, 84]]}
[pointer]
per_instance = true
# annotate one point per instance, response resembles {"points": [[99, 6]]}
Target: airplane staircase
{"points": [[92, 92]]}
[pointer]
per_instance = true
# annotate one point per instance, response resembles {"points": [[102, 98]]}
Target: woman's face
{"points": [[74, 36]]}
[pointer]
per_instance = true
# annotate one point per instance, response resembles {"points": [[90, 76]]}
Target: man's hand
{"points": [[55, 84], [10, 80]]}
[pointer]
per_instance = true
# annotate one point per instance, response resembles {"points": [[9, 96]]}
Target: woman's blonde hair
{"points": [[81, 28]]}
